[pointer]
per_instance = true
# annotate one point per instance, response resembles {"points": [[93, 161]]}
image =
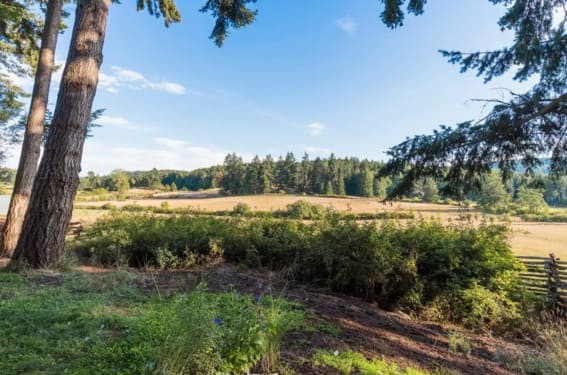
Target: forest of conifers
{"points": [[321, 176]]}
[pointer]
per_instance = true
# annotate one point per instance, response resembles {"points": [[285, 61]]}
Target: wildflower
{"points": [[257, 299], [218, 321]]}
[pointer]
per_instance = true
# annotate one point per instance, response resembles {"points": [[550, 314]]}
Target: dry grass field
{"points": [[528, 238]]}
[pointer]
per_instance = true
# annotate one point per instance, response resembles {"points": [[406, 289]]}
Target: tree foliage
{"points": [[519, 130], [227, 14], [20, 29]]}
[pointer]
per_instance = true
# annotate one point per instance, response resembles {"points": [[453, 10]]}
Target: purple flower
{"points": [[257, 299], [218, 321]]}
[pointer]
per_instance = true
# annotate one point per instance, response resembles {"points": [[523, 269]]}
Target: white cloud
{"points": [[171, 143], [347, 25], [120, 122], [317, 150], [133, 80], [315, 128], [171, 87], [165, 154]]}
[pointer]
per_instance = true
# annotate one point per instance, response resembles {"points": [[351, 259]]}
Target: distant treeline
{"points": [[329, 176], [324, 176]]}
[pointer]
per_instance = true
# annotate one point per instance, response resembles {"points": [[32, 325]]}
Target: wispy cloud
{"points": [[125, 78], [166, 153], [121, 122], [172, 143], [315, 128], [317, 150], [347, 25]]}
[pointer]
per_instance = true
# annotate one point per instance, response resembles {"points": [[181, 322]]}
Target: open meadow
{"points": [[528, 238]]}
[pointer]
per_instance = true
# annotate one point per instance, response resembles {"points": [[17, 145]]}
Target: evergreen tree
{"points": [[332, 175], [233, 180], [34, 130], [340, 184], [518, 129], [493, 195], [304, 172], [430, 190], [41, 243], [318, 177], [266, 175], [381, 187], [367, 181], [254, 176]]}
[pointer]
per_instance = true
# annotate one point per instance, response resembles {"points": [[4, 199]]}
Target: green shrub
{"points": [[241, 209], [279, 317], [459, 343], [351, 362], [146, 240], [275, 244], [462, 273], [192, 342], [551, 217], [479, 307], [304, 210]]}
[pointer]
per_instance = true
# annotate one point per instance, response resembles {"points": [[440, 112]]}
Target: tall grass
{"points": [[111, 324]]}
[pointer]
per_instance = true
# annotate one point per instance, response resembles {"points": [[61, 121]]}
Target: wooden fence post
{"points": [[554, 284]]}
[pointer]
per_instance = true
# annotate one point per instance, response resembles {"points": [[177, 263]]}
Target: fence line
{"points": [[547, 277]]}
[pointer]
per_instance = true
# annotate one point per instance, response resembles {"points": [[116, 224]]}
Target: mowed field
{"points": [[529, 238]]}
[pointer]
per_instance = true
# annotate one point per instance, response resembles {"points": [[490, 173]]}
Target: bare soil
{"points": [[364, 327]]}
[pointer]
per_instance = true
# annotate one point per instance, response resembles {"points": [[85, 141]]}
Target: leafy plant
{"points": [[349, 362]]}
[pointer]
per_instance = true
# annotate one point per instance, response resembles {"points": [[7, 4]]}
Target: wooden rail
{"points": [[547, 277]]}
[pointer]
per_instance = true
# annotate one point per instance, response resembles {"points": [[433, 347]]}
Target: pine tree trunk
{"points": [[41, 243], [31, 146]]}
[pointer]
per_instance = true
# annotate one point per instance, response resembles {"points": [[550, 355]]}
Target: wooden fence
{"points": [[546, 276]]}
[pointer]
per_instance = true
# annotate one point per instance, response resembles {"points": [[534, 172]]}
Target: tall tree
{"points": [[493, 196], [233, 179], [520, 129], [267, 174], [20, 30], [41, 243], [34, 131], [254, 176], [304, 170]]}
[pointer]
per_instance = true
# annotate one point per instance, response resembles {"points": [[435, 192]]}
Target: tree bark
{"points": [[42, 240], [31, 145]]}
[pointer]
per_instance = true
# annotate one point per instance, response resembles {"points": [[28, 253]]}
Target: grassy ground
{"points": [[119, 323], [528, 238], [109, 322]]}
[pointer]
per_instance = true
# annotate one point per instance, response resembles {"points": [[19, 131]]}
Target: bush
{"points": [[275, 244], [462, 273], [241, 209], [355, 363], [145, 240], [228, 332], [304, 210]]}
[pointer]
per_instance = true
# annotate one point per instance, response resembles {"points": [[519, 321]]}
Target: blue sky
{"points": [[319, 76]]}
